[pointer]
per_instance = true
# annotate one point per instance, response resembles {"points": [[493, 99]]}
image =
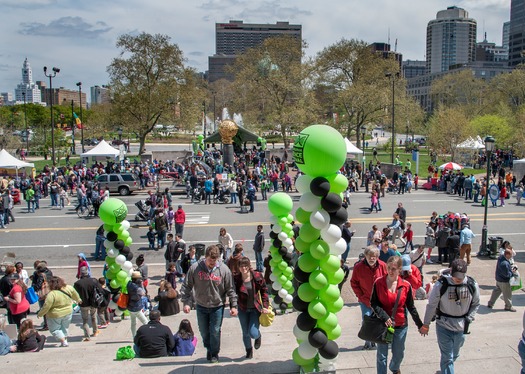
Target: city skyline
{"points": [[79, 38]]}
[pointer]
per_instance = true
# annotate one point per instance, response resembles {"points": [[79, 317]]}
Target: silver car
{"points": [[124, 183]]}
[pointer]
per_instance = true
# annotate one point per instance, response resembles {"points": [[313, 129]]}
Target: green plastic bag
{"points": [[125, 353]]}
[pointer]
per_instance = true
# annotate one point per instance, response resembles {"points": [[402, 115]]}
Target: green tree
{"points": [[497, 126], [448, 127], [509, 89], [147, 82]]}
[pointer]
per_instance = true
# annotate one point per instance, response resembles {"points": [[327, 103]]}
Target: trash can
{"points": [[200, 250], [494, 245]]}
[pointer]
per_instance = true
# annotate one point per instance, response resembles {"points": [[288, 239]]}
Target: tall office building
{"points": [[27, 88], [235, 37], [517, 32], [451, 40], [99, 95]]}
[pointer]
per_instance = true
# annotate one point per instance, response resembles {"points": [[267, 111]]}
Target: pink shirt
{"points": [[21, 307]]}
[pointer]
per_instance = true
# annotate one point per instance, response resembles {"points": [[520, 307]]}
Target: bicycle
{"points": [[86, 211]]}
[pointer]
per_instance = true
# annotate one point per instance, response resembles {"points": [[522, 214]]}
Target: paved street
{"points": [[58, 236]]}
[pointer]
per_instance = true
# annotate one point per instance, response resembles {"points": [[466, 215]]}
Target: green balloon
{"points": [[282, 279], [288, 228], [273, 250], [280, 204], [287, 272], [128, 241], [277, 272], [306, 292], [317, 310], [301, 245], [113, 211], [337, 277], [288, 285], [338, 183], [274, 262], [118, 228], [110, 260], [330, 264], [110, 275], [336, 306], [289, 217], [200, 137], [121, 276], [283, 265], [307, 263], [282, 221], [114, 283], [299, 360], [335, 333], [308, 233], [318, 280], [114, 268], [329, 294], [329, 322], [319, 249], [319, 150], [123, 235], [108, 228], [302, 215]]}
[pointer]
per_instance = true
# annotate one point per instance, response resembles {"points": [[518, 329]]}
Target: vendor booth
{"points": [[102, 151], [9, 165]]}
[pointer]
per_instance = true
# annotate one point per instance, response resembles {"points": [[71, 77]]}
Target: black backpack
{"points": [[100, 298], [471, 285]]}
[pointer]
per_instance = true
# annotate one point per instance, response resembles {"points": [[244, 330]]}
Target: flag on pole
{"points": [[77, 121]]}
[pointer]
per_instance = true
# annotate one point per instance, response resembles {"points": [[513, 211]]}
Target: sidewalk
{"points": [[490, 348]]}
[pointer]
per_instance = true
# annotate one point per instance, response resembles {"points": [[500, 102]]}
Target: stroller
{"points": [[143, 213], [223, 196]]}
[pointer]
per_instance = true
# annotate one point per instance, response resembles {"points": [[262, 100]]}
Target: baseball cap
{"points": [[406, 262], [458, 268]]}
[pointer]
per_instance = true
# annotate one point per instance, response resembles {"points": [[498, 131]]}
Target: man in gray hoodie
{"points": [[454, 301], [211, 281]]}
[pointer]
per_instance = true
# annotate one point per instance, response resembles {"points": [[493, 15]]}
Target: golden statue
{"points": [[228, 129]]}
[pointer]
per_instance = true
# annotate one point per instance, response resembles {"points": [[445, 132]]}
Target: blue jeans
{"points": [[100, 250], [398, 352], [30, 206], [521, 351], [259, 262], [161, 238], [449, 344], [346, 252], [234, 197], [249, 320], [58, 326], [2, 220], [54, 200], [210, 322]]}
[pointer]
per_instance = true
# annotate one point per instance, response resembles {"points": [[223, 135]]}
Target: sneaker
{"points": [[86, 339], [429, 261], [96, 333], [367, 346], [214, 359], [102, 326], [490, 306], [257, 343], [64, 344], [511, 309], [208, 356]]}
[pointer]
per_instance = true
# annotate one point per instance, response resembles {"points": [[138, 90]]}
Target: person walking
{"points": [[212, 282], [465, 242], [180, 220], [388, 292], [135, 293], [504, 273], [346, 234], [226, 241], [258, 248], [453, 302], [363, 277], [253, 301], [85, 287]]}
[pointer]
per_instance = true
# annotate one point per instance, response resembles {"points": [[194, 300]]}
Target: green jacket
{"points": [[30, 194], [58, 304]]}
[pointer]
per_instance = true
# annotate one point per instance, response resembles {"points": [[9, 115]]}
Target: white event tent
{"points": [[103, 149], [7, 161]]}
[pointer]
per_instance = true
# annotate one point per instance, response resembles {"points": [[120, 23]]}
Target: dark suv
{"points": [[124, 183]]}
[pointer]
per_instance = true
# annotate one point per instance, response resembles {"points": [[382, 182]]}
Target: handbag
{"points": [[374, 329], [515, 282], [31, 295], [44, 288], [123, 301], [125, 353], [266, 319]]}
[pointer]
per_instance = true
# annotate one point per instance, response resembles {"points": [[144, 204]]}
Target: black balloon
{"points": [[129, 256], [277, 299], [277, 243], [273, 235], [274, 292], [330, 350], [339, 217], [288, 257], [124, 251], [320, 186], [119, 244], [331, 202], [283, 306], [282, 251], [301, 275], [317, 338], [112, 236], [305, 322], [300, 305]]}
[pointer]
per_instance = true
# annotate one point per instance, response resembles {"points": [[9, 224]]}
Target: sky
{"points": [[79, 36]]}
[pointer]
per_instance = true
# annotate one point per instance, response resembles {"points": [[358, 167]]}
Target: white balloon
{"points": [[273, 220], [118, 312], [127, 266], [291, 248], [338, 247], [130, 272], [275, 305], [320, 219], [112, 253], [327, 365], [288, 299], [309, 202], [106, 233], [303, 183], [273, 278], [306, 350], [108, 244], [125, 224], [282, 236], [277, 229], [300, 334], [283, 293], [331, 234], [288, 242], [277, 286], [120, 259], [112, 305]]}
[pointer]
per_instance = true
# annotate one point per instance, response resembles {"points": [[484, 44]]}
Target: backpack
{"points": [[471, 285], [99, 297]]}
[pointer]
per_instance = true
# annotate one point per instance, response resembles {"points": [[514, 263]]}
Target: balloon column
{"points": [[281, 250], [113, 213], [319, 152]]}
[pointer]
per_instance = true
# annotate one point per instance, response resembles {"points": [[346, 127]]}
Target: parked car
{"points": [[92, 141], [124, 183], [421, 141]]}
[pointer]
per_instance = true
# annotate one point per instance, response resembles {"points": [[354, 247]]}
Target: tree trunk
{"points": [[142, 143]]}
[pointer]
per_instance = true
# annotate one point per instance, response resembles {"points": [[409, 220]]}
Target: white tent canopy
{"points": [[472, 143], [9, 162], [103, 149], [352, 149], [518, 169]]}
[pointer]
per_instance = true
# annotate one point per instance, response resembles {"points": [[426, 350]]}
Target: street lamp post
{"points": [[25, 120], [73, 125], [79, 85], [51, 76], [393, 77], [489, 147]]}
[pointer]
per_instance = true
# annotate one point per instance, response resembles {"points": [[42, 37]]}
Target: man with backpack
{"points": [[453, 301], [88, 290]]}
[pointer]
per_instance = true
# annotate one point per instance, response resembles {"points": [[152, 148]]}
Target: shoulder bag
{"points": [[266, 319], [373, 329]]}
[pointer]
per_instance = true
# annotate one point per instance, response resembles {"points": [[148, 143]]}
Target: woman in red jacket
{"points": [[364, 275], [383, 299]]}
